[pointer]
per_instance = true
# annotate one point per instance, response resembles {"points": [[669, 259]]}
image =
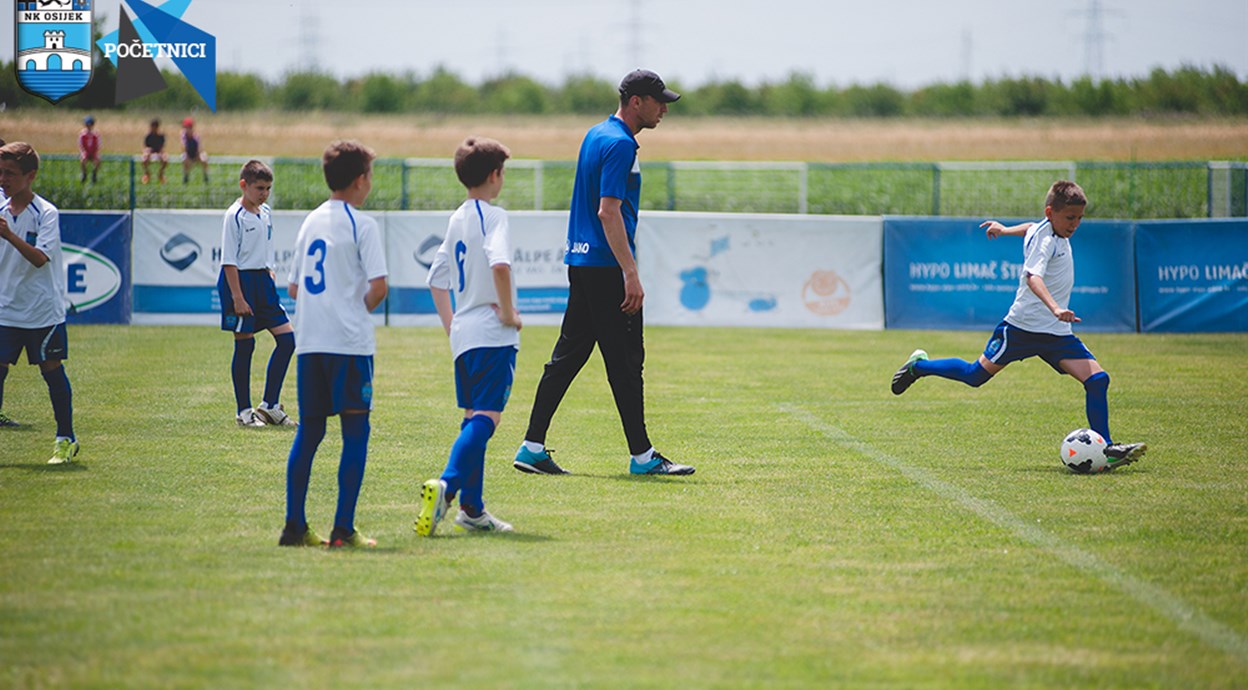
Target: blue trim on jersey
{"points": [[238, 245], [1039, 229], [354, 236], [480, 216]]}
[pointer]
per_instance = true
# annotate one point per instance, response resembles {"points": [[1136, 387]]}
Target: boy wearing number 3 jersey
{"points": [[474, 263], [337, 277]]}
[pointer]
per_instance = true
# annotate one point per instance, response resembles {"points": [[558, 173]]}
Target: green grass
{"points": [[833, 536]]}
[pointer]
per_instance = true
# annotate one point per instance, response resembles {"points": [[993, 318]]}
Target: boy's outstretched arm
{"points": [[28, 251], [996, 229]]}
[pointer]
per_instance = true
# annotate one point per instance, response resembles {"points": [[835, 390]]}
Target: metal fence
{"points": [[1135, 190]]}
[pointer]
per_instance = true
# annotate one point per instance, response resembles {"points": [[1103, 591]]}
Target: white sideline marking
{"points": [[1182, 614]]}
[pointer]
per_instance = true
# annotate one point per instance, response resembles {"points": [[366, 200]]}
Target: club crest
{"points": [[53, 42]]}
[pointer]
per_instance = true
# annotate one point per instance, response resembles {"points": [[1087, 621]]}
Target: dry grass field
{"points": [[679, 138]]}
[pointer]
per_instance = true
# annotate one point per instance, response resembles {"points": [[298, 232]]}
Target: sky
{"points": [[906, 43]]}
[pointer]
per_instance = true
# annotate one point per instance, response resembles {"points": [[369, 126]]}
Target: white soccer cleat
{"points": [[482, 523], [273, 416], [248, 418]]}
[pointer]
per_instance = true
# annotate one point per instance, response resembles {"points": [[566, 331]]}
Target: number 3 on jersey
{"points": [[460, 250], [317, 286]]}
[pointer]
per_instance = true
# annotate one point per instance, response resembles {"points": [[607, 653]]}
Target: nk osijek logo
{"points": [[147, 33], [53, 42]]}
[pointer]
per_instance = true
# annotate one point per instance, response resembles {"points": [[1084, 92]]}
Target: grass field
{"points": [[833, 536]]}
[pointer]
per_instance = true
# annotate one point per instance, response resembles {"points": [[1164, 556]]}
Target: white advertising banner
{"points": [[762, 270], [177, 258]]}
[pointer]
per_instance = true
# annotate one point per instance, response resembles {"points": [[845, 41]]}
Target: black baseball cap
{"points": [[643, 82]]}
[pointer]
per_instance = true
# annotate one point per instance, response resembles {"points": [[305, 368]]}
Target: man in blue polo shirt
{"points": [[604, 291]]}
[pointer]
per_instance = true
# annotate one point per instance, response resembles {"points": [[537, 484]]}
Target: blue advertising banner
{"points": [[96, 247], [944, 273], [1193, 275]]}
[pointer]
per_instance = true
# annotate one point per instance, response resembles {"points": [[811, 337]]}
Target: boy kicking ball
{"points": [[474, 262], [1039, 321]]}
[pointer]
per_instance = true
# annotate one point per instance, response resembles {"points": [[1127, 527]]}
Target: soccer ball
{"points": [[1083, 452]]}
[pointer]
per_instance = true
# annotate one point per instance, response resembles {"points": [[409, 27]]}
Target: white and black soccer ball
{"points": [[1083, 452]]}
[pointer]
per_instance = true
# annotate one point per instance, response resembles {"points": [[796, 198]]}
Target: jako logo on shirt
{"points": [[53, 47], [180, 251], [91, 279]]}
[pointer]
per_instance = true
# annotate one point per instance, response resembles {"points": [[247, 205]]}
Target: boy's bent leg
{"points": [[62, 397], [5, 420], [974, 374], [465, 470]]}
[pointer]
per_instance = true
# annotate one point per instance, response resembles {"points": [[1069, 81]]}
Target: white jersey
{"points": [[32, 297], [247, 238], [337, 252], [477, 239], [1048, 256]]}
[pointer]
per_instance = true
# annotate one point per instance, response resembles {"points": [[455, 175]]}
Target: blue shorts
{"points": [[330, 384], [483, 378], [41, 344], [261, 293], [1011, 344]]}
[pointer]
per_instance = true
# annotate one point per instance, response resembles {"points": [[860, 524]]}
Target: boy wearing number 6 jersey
{"points": [[337, 277], [474, 263]]}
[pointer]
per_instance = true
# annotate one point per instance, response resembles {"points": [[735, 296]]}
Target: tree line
{"points": [[1187, 90]]}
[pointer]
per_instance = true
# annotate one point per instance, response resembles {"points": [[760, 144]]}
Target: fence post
{"points": [[803, 183], [935, 189], [403, 177], [538, 184], [133, 193], [671, 186]]}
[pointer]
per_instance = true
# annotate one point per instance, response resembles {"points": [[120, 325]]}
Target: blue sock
{"points": [[62, 401], [4, 374], [970, 373], [465, 470], [299, 466], [278, 363], [1097, 388], [355, 430], [240, 371]]}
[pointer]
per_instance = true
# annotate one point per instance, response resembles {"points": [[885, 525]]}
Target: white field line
{"points": [[1185, 616]]}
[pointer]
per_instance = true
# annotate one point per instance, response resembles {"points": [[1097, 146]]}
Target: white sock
{"points": [[534, 447], [644, 457]]}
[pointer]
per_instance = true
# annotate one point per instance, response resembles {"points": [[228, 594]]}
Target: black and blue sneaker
{"points": [[658, 465], [536, 463]]}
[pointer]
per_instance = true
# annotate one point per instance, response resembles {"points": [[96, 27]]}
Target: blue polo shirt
{"points": [[606, 166]]}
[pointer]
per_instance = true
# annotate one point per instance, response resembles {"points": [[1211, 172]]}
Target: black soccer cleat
{"points": [[1120, 454], [905, 376], [536, 463]]}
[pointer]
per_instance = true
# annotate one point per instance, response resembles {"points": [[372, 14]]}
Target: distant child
{"points": [[474, 262], [1038, 323], [249, 301], [338, 276], [89, 149], [193, 152], [32, 291], [154, 147]]}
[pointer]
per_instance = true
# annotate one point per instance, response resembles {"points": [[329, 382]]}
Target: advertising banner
{"points": [[1193, 275], [944, 273], [761, 270], [96, 249], [177, 258], [537, 239]]}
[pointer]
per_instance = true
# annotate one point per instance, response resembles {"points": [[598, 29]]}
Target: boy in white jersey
{"points": [[474, 262], [337, 277], [1038, 323], [249, 301], [32, 290]]}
